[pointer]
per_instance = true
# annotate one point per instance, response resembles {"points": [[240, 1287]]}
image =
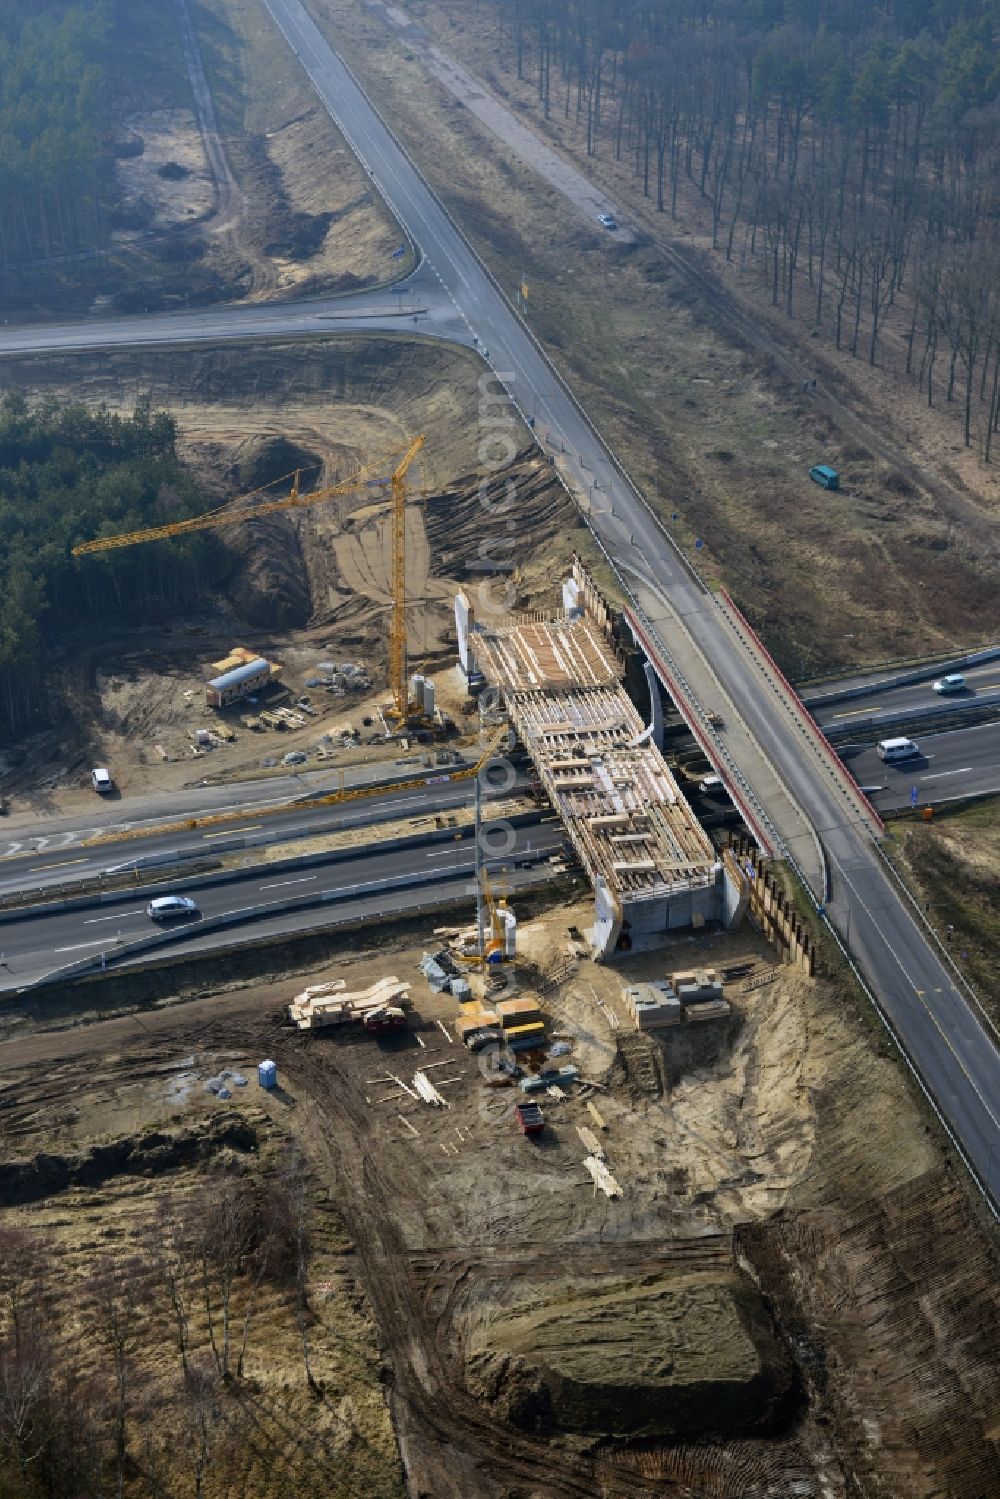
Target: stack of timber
{"points": [[332, 1004]]}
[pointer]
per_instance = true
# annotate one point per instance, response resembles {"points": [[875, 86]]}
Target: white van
{"points": [[897, 749]]}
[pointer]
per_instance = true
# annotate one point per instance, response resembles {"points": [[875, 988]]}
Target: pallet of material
{"points": [[602, 1177], [590, 1142], [560, 1076], [708, 1009], [333, 1005], [476, 1020]]}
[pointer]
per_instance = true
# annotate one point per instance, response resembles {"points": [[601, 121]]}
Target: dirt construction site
{"points": [[775, 1239], [302, 591]]}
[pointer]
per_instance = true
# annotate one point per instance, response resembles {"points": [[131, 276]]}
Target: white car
{"points": [[101, 780], [953, 683], [166, 907], [608, 220]]}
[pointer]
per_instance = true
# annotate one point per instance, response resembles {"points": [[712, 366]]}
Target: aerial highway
{"points": [[272, 901], [791, 789], [949, 1044]]}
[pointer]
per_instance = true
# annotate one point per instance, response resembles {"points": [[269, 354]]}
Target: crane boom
{"points": [[295, 500]]}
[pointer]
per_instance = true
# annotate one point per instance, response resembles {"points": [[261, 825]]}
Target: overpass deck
{"points": [[628, 820]]}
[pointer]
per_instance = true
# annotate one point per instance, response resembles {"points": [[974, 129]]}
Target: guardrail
{"points": [[753, 640], [922, 673]]}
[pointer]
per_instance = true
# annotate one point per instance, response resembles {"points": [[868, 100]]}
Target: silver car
{"points": [[166, 907]]}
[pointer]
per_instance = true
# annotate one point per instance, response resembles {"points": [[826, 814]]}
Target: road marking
{"points": [[939, 773], [854, 713], [304, 880], [41, 868], [116, 916], [235, 832], [98, 942], [448, 853]]}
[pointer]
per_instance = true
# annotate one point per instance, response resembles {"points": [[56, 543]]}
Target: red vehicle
{"points": [[530, 1118], [390, 1018]]}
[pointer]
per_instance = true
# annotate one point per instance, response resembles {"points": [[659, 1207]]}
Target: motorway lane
{"points": [[884, 677], [915, 697], [56, 855], [39, 944], [962, 762], [954, 1052]]}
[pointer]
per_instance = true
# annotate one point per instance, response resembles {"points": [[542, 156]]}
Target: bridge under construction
{"points": [[652, 866]]}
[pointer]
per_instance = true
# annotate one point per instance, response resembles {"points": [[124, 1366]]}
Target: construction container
{"points": [[476, 1021], [232, 685], [267, 1074], [530, 1118], [428, 698], [517, 1011], [525, 1037]]}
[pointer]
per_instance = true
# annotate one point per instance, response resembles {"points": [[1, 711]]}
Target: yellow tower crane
{"points": [[295, 500]]}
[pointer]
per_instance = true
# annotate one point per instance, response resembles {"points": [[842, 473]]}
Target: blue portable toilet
{"points": [[267, 1074]]}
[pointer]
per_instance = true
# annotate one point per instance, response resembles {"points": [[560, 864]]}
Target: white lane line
{"points": [[43, 868], [115, 916], [447, 853], [235, 832], [939, 773], [98, 942], [304, 880]]}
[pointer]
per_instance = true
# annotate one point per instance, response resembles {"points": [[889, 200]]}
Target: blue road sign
{"points": [[698, 544], [914, 795], [398, 254]]}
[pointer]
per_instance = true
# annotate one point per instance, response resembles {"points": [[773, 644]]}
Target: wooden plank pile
{"points": [[332, 1004]]}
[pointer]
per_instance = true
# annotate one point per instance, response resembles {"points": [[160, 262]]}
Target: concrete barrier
{"points": [[234, 876], [947, 708]]}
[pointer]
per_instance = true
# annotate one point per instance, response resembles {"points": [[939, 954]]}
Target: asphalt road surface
{"points": [[963, 762], [55, 853], [46, 941], [912, 697], [416, 304]]}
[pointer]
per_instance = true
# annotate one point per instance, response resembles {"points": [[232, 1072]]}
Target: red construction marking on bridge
{"points": [[811, 723]]}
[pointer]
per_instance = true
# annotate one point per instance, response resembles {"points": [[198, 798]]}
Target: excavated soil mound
{"points": [[688, 1355], [270, 575], [261, 461], [42, 1175]]}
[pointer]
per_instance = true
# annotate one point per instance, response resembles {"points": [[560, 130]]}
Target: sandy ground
{"points": [[310, 590], [757, 1138], [171, 140]]}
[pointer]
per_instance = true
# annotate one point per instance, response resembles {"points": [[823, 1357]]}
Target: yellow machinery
{"points": [[294, 500]]}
